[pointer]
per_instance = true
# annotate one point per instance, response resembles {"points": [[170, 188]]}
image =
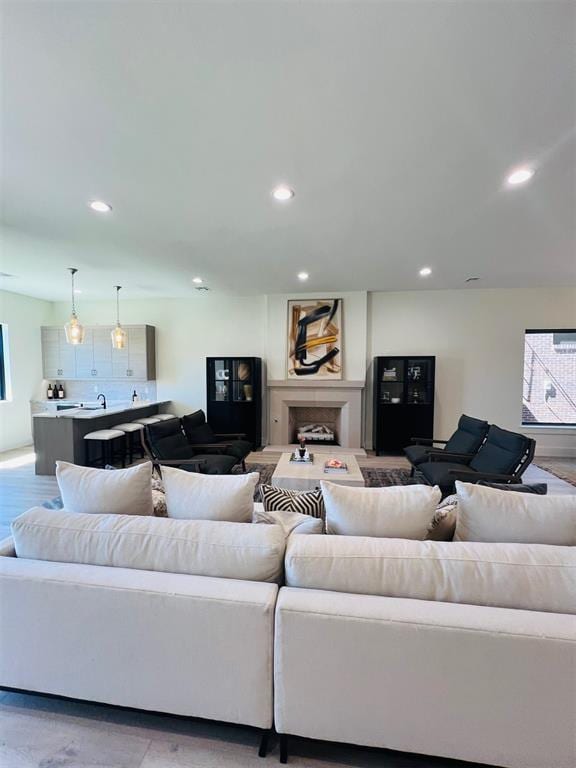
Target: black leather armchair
{"points": [[465, 442], [166, 445], [503, 458], [202, 437]]}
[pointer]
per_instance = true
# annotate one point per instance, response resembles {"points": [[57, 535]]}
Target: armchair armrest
{"points": [[210, 445], [234, 435], [178, 462], [469, 474], [426, 441], [446, 456]]}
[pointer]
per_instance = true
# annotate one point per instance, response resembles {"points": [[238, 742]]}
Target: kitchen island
{"points": [[60, 435]]}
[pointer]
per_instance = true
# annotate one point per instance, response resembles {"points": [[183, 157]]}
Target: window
{"points": [[549, 391], [3, 363]]}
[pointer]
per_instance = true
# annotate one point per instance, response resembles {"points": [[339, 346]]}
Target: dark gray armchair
{"points": [[503, 458], [202, 437], [167, 445], [465, 442]]}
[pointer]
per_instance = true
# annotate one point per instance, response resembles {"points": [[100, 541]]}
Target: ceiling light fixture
{"points": [[303, 275], [73, 329], [118, 334], [100, 206], [197, 280], [425, 272], [520, 176], [282, 193]]}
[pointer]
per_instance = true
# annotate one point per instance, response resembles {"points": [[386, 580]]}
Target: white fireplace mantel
{"points": [[346, 395], [304, 383]]}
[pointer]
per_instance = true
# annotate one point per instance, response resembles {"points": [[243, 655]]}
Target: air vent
{"points": [[472, 279], [202, 288], [5, 274]]}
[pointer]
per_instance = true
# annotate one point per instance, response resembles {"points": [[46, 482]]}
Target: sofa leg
{"points": [[263, 748], [283, 748]]}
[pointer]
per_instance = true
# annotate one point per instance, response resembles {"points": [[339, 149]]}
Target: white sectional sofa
{"points": [[358, 659], [458, 650], [180, 643]]}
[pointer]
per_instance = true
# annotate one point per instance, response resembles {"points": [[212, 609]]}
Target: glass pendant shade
{"points": [[118, 335], [74, 329]]}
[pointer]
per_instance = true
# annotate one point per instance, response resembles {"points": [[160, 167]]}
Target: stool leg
{"points": [[130, 438], [123, 449]]}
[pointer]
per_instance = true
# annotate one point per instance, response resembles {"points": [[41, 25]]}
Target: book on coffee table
{"points": [[335, 467]]}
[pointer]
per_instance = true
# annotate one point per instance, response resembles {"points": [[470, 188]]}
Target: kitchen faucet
{"points": [[103, 399]]}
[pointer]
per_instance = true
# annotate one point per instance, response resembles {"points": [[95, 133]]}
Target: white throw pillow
{"points": [[103, 492], [192, 496], [487, 514], [196, 547], [397, 512], [291, 522]]}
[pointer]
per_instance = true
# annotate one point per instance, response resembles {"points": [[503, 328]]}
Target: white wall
{"points": [[354, 308], [23, 317], [187, 331], [478, 339]]}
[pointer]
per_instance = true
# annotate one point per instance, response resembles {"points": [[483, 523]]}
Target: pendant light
{"points": [[74, 330], [118, 334]]}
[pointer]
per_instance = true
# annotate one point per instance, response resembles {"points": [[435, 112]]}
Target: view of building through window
{"points": [[549, 393]]}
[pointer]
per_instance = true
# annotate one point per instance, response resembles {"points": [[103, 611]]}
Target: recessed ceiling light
{"points": [[425, 272], [77, 290], [282, 193], [520, 176], [303, 275], [100, 206], [197, 280]]}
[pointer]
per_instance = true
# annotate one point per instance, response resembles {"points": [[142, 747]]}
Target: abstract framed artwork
{"points": [[315, 338]]}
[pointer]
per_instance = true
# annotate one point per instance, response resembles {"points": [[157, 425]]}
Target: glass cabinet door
{"points": [[242, 380], [419, 390], [220, 380]]}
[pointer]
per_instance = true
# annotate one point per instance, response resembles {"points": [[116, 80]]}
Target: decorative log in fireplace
{"points": [[313, 433]]}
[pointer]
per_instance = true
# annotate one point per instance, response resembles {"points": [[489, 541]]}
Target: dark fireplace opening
{"points": [[316, 425]]}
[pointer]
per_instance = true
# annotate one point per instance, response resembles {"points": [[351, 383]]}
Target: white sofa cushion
{"points": [[487, 514], [397, 512], [197, 547], [290, 522], [533, 577], [192, 496], [101, 491]]}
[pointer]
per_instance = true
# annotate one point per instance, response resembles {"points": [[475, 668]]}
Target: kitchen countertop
{"points": [[93, 412]]}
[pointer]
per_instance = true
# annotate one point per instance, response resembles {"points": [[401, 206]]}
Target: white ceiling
{"points": [[395, 122]]}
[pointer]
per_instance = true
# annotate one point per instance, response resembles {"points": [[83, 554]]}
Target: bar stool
{"points": [[147, 420], [132, 430], [165, 416], [106, 438]]}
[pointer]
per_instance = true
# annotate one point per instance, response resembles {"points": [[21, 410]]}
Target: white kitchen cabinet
{"points": [[95, 358]]}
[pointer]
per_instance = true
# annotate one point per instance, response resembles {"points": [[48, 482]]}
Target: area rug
{"points": [[565, 469], [374, 477]]}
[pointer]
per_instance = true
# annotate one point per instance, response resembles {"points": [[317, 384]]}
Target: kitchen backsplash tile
{"points": [[86, 391]]}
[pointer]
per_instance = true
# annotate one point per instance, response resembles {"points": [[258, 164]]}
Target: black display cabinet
{"points": [[234, 396], [403, 401]]}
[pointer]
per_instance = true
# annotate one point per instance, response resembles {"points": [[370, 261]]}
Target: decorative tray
{"points": [[298, 460]]}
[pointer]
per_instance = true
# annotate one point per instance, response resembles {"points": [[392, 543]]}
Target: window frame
{"points": [[3, 362], [550, 331]]}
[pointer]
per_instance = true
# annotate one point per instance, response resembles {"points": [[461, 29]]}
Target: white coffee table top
{"points": [[306, 476]]}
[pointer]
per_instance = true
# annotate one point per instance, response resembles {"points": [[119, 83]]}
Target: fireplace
{"points": [[315, 424], [336, 404]]}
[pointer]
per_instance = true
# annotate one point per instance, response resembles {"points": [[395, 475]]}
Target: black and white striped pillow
{"points": [[282, 500]]}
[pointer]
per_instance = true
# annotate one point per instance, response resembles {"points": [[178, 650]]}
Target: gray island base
{"points": [[60, 437]]}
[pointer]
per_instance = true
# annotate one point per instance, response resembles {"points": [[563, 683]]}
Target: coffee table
{"points": [[306, 477]]}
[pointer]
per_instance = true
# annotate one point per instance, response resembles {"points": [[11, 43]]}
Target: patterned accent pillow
{"points": [[282, 500], [443, 523]]}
